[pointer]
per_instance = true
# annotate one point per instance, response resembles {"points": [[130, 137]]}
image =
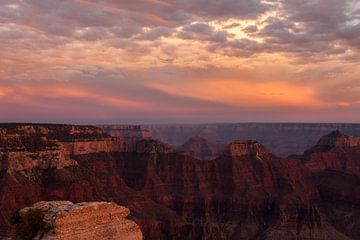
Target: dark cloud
{"points": [[313, 26], [232, 25], [64, 18], [250, 29], [242, 9], [302, 27], [202, 32]]}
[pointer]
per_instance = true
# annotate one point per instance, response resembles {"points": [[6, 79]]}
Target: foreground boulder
{"points": [[64, 220]]}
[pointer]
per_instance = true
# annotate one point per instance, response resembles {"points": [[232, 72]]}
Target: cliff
{"points": [[245, 148], [127, 132], [245, 193], [335, 165], [200, 148], [27, 147], [283, 139], [81, 221], [335, 151]]}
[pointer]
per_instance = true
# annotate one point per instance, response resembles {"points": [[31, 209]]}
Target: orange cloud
{"points": [[347, 104], [240, 93], [28, 94], [5, 91]]}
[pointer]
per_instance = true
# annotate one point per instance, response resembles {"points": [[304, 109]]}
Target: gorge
{"points": [[245, 193]]}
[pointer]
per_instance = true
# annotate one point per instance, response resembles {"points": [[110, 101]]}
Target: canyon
{"points": [[246, 192], [200, 148], [283, 139]]}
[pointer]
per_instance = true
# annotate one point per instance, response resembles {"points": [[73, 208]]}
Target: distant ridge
{"points": [[281, 138]]}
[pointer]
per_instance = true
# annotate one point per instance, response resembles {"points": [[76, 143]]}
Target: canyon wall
{"points": [[127, 132], [335, 166], [245, 193], [281, 138], [200, 148]]}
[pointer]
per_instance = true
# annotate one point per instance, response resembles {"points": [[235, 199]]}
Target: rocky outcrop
{"points": [[336, 139], [24, 148], [335, 165], [245, 148], [127, 132], [82, 221], [335, 151], [200, 148], [150, 146], [100, 145]]}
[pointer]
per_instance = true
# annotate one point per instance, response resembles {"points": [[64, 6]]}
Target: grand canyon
{"points": [[246, 192], [180, 119]]}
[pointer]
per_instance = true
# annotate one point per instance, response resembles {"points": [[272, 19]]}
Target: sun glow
{"points": [[241, 93]]}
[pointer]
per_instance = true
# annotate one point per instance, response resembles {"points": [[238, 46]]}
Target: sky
{"points": [[179, 61]]}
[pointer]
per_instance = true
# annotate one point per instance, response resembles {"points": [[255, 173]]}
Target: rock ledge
{"points": [[63, 220]]}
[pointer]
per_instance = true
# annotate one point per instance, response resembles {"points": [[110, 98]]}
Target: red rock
{"points": [[335, 164], [200, 148], [334, 151], [127, 132], [82, 221], [246, 193]]}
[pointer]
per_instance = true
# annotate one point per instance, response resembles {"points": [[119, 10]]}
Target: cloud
{"points": [[202, 32], [300, 27], [154, 58], [243, 9], [243, 93], [308, 27], [250, 29], [155, 33]]}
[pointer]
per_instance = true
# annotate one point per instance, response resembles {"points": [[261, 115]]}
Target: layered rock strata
{"points": [[63, 220], [200, 148], [246, 193], [127, 132]]}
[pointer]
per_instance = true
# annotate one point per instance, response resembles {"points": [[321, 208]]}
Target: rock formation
{"points": [[335, 151], [127, 132], [335, 165], [282, 139], [246, 193], [200, 148], [64, 220]]}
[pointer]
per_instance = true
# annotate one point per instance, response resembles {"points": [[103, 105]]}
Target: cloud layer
{"points": [[179, 60]]}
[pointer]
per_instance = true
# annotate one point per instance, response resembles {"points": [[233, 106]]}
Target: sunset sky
{"points": [[179, 61]]}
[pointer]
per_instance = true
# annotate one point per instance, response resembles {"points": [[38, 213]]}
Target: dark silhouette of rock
{"points": [[200, 148]]}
